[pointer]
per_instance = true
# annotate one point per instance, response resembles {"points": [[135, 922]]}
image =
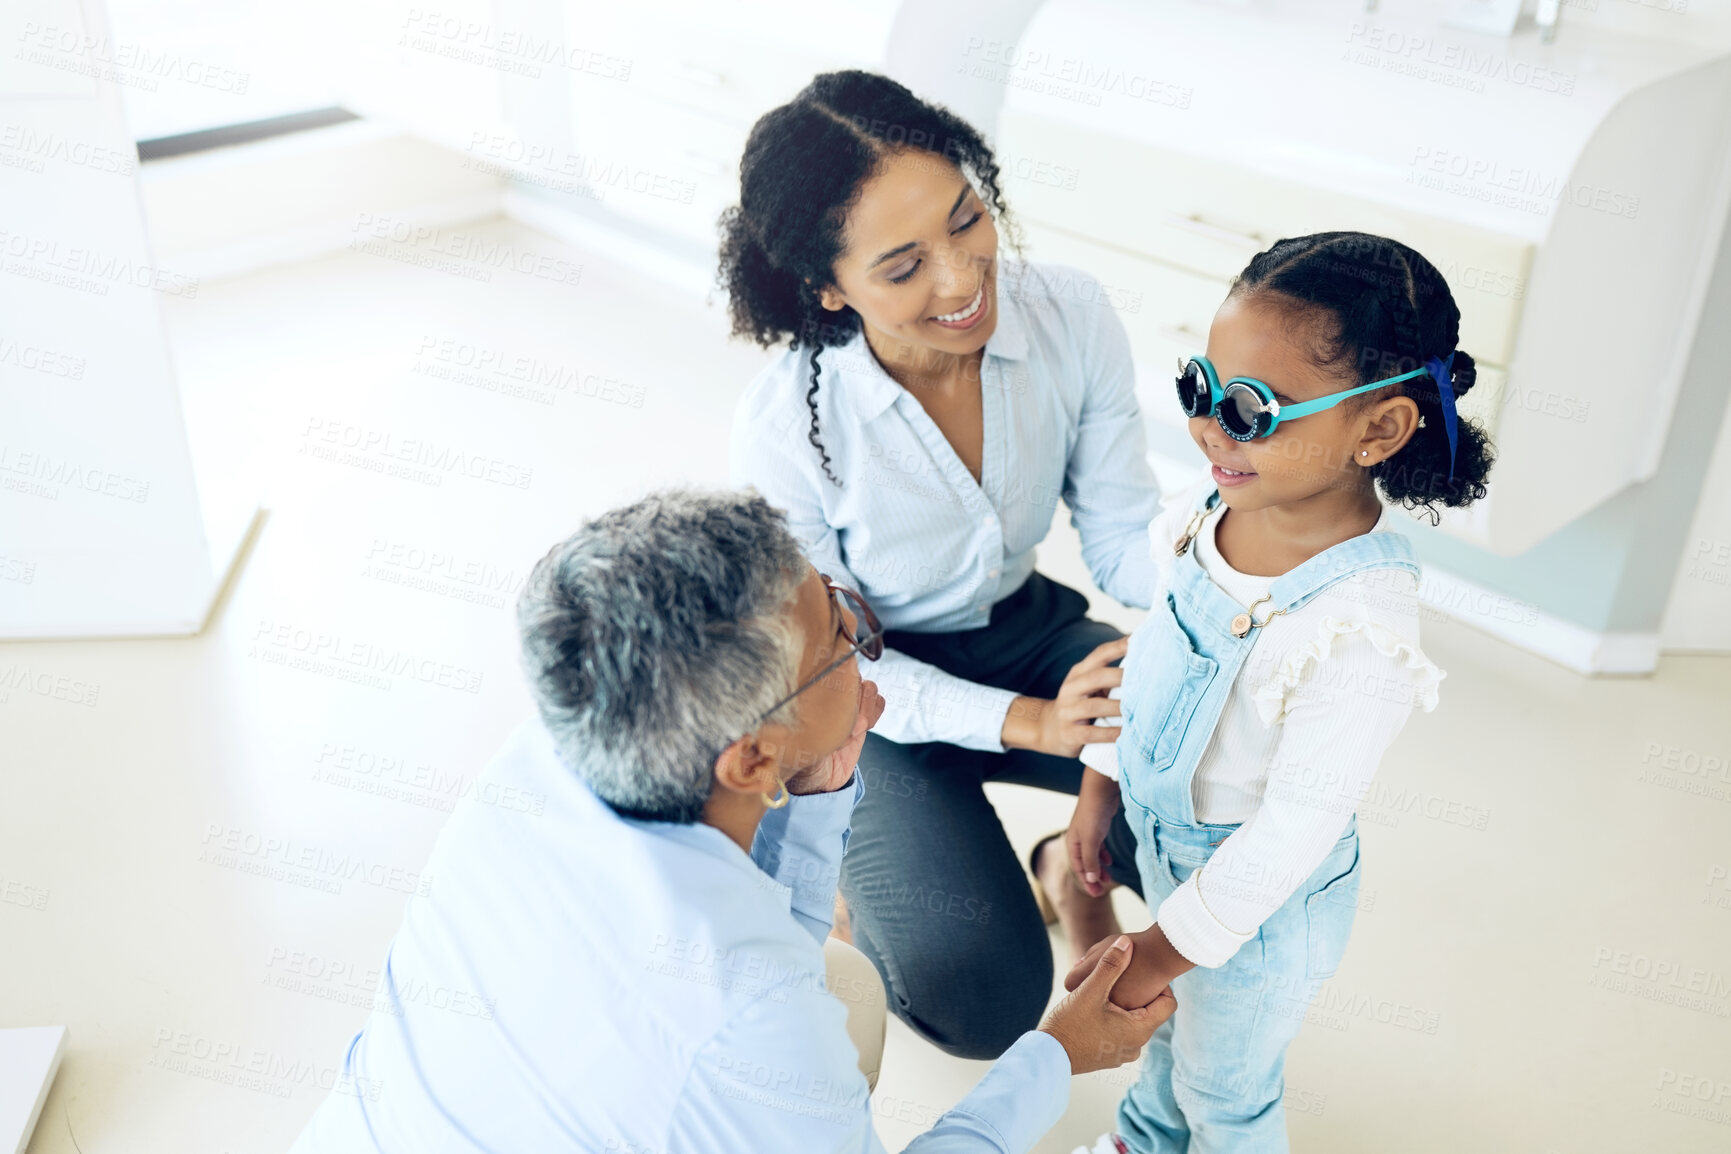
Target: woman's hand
{"points": [[1097, 1024], [830, 773], [1062, 727], [1096, 805], [1149, 972]]}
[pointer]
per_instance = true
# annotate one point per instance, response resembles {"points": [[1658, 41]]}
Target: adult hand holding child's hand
{"points": [[1096, 1033], [1145, 976]]}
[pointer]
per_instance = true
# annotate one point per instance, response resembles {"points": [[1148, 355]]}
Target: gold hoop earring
{"points": [[781, 800]]}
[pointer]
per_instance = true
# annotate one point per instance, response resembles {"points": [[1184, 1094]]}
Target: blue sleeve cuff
{"points": [[1021, 1097], [800, 845]]}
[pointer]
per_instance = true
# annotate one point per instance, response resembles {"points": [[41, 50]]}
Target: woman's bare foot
{"points": [[1084, 919]]}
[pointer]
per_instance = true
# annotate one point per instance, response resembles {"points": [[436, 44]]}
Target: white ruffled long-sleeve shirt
{"points": [[1326, 690]]}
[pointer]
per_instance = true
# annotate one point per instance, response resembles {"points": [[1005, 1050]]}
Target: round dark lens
{"points": [[1242, 414], [1193, 393]]}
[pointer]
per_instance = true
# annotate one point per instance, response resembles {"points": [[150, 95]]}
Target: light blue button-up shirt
{"points": [[930, 548], [575, 981]]}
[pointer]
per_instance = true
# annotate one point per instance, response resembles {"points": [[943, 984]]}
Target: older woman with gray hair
{"points": [[622, 948]]}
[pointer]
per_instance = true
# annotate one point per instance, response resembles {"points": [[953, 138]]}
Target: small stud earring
{"points": [[1364, 452]]}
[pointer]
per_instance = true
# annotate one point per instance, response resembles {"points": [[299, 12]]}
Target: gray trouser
{"points": [[936, 897]]}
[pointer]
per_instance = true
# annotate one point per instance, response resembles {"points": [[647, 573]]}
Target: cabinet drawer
{"points": [[1166, 312], [658, 163], [699, 57], [1211, 217], [1161, 306]]}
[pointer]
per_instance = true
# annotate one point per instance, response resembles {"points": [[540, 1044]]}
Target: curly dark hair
{"points": [[1385, 310], [802, 171]]}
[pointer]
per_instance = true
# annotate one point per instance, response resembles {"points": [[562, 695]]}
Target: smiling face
{"points": [[920, 263], [826, 711], [794, 757], [1275, 341]]}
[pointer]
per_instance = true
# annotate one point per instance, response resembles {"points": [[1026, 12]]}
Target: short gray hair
{"points": [[657, 634]]}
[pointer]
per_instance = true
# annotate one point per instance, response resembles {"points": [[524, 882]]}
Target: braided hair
{"points": [[804, 165], [1386, 310]]}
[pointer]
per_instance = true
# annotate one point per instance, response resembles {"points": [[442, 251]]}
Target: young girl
{"points": [[1279, 660]]}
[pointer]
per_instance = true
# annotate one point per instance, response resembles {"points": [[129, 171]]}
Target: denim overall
{"points": [[1213, 1076]]}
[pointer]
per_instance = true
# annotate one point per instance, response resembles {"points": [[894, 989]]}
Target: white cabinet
{"points": [[105, 528], [1698, 613], [1572, 194]]}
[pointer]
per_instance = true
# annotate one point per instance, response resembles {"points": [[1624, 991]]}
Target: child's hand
{"points": [[1094, 1026], [1096, 805], [1139, 984]]}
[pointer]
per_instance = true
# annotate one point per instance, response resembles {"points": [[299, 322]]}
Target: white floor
{"points": [[1542, 961]]}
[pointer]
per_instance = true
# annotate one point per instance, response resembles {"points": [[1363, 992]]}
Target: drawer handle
{"points": [[698, 74], [1200, 227]]}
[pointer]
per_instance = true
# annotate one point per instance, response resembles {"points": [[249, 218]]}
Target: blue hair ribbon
{"points": [[1442, 372]]}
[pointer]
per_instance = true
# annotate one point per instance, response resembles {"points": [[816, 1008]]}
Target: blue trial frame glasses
{"points": [[1245, 407]]}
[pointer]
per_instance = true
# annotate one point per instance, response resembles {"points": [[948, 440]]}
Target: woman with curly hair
{"points": [[935, 401]]}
